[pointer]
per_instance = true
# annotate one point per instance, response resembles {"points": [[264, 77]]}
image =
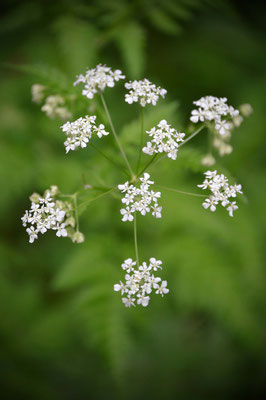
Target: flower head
{"points": [[214, 109], [97, 79], [140, 282], [80, 132], [221, 192], [143, 92], [164, 140], [47, 213], [140, 199]]}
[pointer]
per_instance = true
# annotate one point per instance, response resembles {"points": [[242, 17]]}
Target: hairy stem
{"points": [[115, 136]]}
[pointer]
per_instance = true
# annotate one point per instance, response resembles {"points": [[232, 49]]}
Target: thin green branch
{"points": [[115, 136], [180, 191], [149, 163], [191, 136], [165, 155], [96, 198], [76, 211], [141, 138], [106, 157], [136, 239]]}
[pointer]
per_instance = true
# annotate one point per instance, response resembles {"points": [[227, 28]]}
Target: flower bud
{"points": [[78, 237]]}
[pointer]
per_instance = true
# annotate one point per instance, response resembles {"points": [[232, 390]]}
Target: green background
{"points": [[64, 333]]}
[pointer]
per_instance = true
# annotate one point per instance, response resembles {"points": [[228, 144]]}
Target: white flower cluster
{"points": [[143, 92], [164, 139], [221, 192], [54, 106], [140, 199], [47, 213], [139, 283], [214, 109], [97, 79], [80, 132]]}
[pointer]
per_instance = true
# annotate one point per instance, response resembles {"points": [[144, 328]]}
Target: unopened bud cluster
{"points": [[140, 282], [165, 139]]}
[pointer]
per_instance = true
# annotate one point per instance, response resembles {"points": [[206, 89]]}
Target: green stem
{"points": [[191, 136], [136, 239], [76, 211], [149, 163], [105, 156], [116, 137], [180, 191], [165, 155], [141, 138], [96, 198]]}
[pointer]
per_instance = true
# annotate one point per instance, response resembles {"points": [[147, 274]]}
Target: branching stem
{"points": [[115, 136], [180, 191], [141, 138], [136, 239]]}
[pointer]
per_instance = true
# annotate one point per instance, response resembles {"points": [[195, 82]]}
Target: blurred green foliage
{"points": [[64, 333]]}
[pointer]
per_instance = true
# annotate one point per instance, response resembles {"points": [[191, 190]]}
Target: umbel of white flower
{"points": [[165, 139], [140, 282], [140, 199], [221, 192], [143, 92], [47, 213], [214, 109], [97, 79], [80, 132]]}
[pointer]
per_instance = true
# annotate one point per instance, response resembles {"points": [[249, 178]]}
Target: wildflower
{"points": [[214, 109], [140, 282], [143, 92], [221, 192], [164, 139], [80, 132], [140, 199], [96, 79]]}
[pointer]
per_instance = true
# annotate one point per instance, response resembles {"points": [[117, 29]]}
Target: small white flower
{"points": [[127, 215], [232, 207], [162, 290]]}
